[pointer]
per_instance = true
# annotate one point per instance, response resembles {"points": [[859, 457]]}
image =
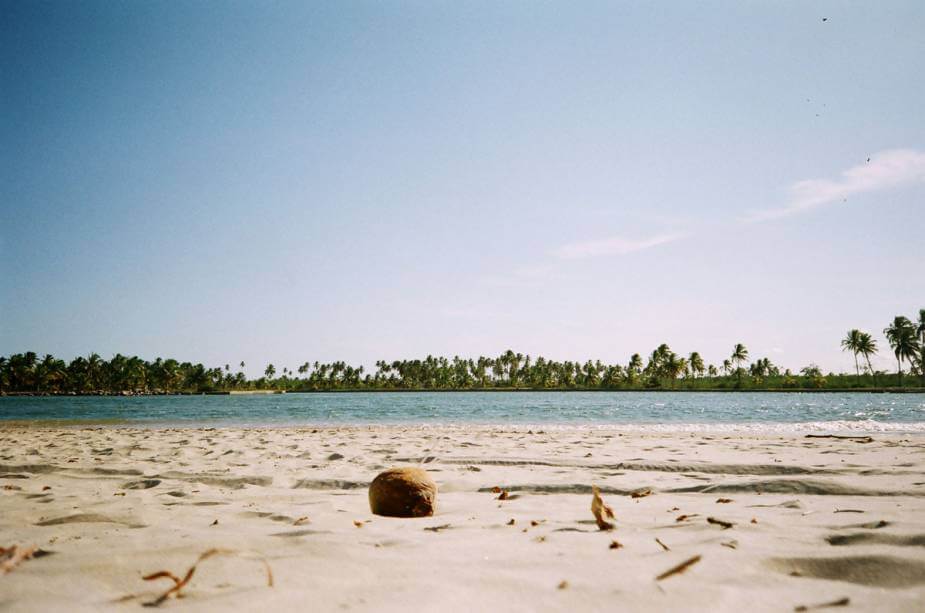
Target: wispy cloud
{"points": [[615, 245], [884, 170]]}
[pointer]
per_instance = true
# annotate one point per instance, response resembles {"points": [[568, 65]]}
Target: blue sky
{"points": [[227, 181]]}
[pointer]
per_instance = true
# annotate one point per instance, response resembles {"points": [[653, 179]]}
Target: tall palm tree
{"points": [[739, 355], [920, 330], [696, 364], [901, 335], [852, 343], [867, 347]]}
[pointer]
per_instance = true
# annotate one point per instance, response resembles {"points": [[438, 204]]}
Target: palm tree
{"points": [[739, 355], [901, 335], [867, 347], [852, 343], [696, 364], [270, 371], [920, 331], [727, 366]]}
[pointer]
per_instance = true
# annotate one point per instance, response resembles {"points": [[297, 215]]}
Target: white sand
{"points": [[125, 502]]}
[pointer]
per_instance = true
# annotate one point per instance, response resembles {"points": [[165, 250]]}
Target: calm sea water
{"points": [[643, 409]]}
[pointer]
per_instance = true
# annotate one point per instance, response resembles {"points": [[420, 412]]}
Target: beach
{"points": [[778, 520]]}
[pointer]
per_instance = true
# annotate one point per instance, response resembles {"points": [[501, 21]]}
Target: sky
{"points": [[291, 181]]}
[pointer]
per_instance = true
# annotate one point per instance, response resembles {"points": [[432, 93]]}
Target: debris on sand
{"points": [[725, 525], [14, 555], [179, 584], [663, 545], [680, 568], [601, 510], [857, 439], [841, 602]]}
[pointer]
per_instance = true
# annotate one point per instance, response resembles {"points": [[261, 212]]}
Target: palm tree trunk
{"points": [[856, 367], [871, 368]]}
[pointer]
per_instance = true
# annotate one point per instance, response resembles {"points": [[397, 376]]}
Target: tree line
{"points": [[26, 373]]}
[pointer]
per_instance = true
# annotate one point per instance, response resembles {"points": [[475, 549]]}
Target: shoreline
{"points": [[794, 429]]}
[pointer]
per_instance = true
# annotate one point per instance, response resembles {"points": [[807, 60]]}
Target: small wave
{"points": [[836, 427]]}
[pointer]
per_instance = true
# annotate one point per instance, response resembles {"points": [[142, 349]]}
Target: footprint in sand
{"points": [[877, 538], [141, 484], [89, 518], [878, 571]]}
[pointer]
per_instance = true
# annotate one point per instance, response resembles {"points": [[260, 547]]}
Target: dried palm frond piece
{"points": [[641, 493], [13, 556], [857, 439], [301, 521], [680, 568], [725, 525], [179, 584], [601, 510], [723, 500]]}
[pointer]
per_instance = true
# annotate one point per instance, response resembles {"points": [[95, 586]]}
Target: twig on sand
{"points": [[858, 439], [179, 584], [841, 602], [725, 525], [848, 511], [680, 568], [664, 546], [601, 510]]}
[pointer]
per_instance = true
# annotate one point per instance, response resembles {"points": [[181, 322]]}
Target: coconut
{"points": [[403, 492]]}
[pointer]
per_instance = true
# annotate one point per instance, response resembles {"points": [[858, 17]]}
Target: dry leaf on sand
{"points": [[601, 510]]}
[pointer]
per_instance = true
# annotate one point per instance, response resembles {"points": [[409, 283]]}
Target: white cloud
{"points": [[885, 170], [613, 246]]}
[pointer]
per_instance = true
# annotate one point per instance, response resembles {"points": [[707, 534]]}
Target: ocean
{"points": [[643, 410]]}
